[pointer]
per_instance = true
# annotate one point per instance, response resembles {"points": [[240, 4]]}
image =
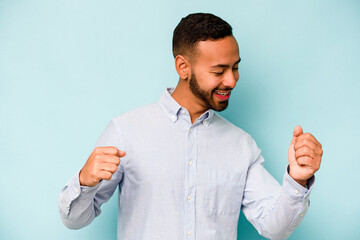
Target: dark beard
{"points": [[205, 97]]}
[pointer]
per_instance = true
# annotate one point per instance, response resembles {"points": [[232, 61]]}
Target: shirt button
{"points": [[189, 234], [182, 111], [296, 191], [190, 163], [301, 214], [76, 190], [205, 122], [189, 198], [191, 130], [173, 117]]}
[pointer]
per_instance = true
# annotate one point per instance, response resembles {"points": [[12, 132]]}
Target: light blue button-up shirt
{"points": [[180, 180]]}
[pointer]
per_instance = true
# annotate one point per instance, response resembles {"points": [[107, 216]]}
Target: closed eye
{"points": [[218, 73]]}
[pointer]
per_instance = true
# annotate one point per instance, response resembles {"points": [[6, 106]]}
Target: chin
{"points": [[220, 106]]}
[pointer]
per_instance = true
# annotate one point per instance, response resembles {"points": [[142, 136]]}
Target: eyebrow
{"points": [[225, 65]]}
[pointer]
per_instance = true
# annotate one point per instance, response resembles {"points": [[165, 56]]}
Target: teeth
{"points": [[222, 93]]}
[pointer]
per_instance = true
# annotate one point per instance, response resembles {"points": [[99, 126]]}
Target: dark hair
{"points": [[198, 27]]}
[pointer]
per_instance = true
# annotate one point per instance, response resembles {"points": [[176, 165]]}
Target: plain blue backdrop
{"points": [[67, 67]]}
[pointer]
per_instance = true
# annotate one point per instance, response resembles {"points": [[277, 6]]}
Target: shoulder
{"points": [[138, 114], [225, 125], [233, 132]]}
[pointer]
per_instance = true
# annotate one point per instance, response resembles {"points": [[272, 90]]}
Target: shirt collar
{"points": [[206, 117], [172, 108]]}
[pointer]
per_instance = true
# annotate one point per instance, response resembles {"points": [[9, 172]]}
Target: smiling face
{"points": [[214, 72]]}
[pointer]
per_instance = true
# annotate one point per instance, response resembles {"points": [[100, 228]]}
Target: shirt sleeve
{"points": [[275, 211], [79, 205]]}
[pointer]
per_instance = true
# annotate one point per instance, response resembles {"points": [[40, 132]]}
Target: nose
{"points": [[231, 79]]}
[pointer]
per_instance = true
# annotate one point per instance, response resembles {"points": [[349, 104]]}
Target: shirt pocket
{"points": [[224, 193]]}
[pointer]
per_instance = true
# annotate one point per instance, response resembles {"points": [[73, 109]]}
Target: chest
{"points": [[170, 157]]}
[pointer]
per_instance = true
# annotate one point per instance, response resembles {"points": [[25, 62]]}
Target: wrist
{"points": [[81, 180], [302, 182]]}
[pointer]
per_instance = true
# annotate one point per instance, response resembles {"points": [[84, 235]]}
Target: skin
{"points": [[214, 67], [102, 164], [305, 153]]}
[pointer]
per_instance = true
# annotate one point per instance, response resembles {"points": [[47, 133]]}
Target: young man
{"points": [[183, 171]]}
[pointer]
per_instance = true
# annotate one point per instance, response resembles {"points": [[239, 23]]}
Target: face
{"points": [[215, 72]]}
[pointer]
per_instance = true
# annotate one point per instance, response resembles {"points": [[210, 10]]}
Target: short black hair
{"points": [[198, 27]]}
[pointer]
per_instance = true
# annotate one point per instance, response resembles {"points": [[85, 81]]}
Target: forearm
{"points": [[79, 205], [274, 210], [76, 204], [286, 210]]}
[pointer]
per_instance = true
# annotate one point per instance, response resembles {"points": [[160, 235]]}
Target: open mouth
{"points": [[222, 95]]}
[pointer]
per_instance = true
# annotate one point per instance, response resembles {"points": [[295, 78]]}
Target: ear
{"points": [[183, 67]]}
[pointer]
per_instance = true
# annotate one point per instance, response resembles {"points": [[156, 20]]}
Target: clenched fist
{"points": [[102, 164], [305, 154]]}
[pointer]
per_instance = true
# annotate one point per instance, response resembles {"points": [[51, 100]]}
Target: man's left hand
{"points": [[305, 154]]}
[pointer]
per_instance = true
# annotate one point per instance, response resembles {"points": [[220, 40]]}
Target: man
{"points": [[183, 171]]}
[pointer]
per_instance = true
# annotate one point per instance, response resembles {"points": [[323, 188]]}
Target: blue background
{"points": [[68, 67]]}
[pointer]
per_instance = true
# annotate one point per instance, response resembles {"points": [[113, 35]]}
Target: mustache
{"points": [[225, 89]]}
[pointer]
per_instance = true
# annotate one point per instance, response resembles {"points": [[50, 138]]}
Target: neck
{"points": [[186, 99]]}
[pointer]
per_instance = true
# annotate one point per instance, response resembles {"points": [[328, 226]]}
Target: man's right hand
{"points": [[102, 164]]}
